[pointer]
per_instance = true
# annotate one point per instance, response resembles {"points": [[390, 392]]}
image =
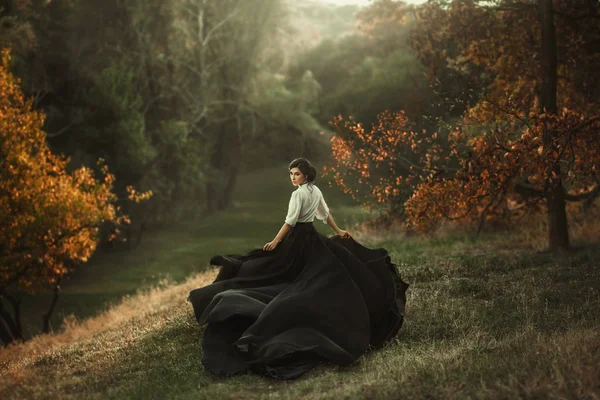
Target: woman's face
{"points": [[297, 176]]}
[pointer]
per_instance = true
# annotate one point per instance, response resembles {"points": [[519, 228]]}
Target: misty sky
{"points": [[365, 2]]}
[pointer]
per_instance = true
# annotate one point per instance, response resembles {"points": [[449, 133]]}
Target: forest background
{"points": [[178, 118], [181, 98]]}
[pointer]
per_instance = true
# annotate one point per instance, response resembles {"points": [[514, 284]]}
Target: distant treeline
{"points": [[180, 96]]}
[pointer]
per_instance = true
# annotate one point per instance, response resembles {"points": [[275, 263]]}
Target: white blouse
{"points": [[306, 203]]}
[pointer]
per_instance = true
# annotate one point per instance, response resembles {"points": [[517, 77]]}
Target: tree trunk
{"points": [[46, 318], [5, 335], [225, 162], [10, 327], [558, 232], [227, 197]]}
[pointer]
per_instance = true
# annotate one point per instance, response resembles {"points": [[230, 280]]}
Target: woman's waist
{"points": [[306, 226]]}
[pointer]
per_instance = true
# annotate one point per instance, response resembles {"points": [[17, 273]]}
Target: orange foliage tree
{"points": [[49, 217], [380, 166], [530, 141]]}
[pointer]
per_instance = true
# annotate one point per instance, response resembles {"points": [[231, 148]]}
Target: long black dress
{"points": [[312, 299]]}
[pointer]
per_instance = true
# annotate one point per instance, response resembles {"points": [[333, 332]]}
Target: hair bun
{"points": [[305, 167]]}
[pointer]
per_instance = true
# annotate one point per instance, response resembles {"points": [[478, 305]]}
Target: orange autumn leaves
{"points": [[509, 169], [50, 217], [380, 166], [506, 157], [498, 175]]}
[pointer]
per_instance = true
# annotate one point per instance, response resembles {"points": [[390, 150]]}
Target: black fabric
{"points": [[312, 299]]}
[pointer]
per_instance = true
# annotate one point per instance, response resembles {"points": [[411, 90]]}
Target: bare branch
{"points": [[585, 124], [218, 26], [154, 100], [437, 170], [488, 205], [60, 132], [583, 196], [528, 190], [508, 112], [568, 141]]}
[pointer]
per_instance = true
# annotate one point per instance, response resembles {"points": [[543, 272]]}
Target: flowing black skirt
{"points": [[312, 299]]}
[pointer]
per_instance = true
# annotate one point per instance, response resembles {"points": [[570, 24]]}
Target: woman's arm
{"points": [[332, 224], [338, 231], [282, 232], [324, 215]]}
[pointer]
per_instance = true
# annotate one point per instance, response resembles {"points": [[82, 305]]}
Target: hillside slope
{"points": [[485, 319], [182, 250]]}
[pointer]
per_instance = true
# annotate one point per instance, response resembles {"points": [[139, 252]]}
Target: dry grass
{"points": [[486, 318], [529, 233], [121, 325]]}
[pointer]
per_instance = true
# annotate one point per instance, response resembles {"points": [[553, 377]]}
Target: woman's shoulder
{"points": [[307, 188], [316, 188]]}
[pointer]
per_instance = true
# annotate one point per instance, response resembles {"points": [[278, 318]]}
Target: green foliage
{"points": [[377, 84], [178, 174], [115, 90], [286, 119], [313, 21], [331, 61], [275, 102], [360, 80]]}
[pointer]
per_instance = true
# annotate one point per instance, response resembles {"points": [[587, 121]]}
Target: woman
{"points": [[302, 299]]}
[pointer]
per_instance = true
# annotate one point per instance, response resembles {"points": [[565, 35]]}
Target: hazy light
{"points": [[365, 2]]}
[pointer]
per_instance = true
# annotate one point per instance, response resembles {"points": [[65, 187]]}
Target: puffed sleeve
{"points": [[322, 210], [294, 209]]}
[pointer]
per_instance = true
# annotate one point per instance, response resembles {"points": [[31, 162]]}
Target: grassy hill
{"points": [[176, 252], [486, 318]]}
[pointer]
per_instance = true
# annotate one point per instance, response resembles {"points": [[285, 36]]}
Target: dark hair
{"points": [[305, 167]]}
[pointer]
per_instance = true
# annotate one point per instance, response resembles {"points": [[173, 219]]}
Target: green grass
{"points": [[174, 253], [479, 324], [485, 318]]}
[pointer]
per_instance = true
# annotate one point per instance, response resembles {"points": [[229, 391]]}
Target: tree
{"points": [[285, 120], [366, 74], [15, 29], [381, 164], [371, 70], [524, 46], [530, 139], [217, 54], [50, 217], [124, 109]]}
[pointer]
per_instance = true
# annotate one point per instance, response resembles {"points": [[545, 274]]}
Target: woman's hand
{"points": [[343, 234], [270, 246]]}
